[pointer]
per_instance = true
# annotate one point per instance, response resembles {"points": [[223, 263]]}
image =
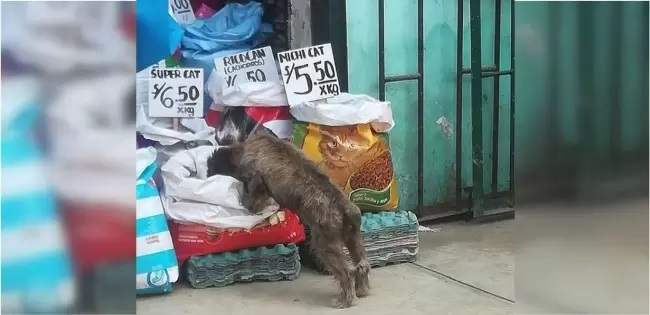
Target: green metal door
{"points": [[412, 53]]}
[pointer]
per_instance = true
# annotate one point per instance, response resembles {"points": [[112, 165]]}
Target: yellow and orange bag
{"points": [[356, 158]]}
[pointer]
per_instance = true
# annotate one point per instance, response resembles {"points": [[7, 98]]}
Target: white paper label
{"points": [[255, 65], [182, 11], [309, 73], [176, 92]]}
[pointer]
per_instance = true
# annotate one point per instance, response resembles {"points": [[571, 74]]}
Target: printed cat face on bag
{"points": [[356, 158]]}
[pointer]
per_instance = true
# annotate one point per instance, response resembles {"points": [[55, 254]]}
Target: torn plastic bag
{"points": [[345, 110], [190, 196], [161, 129], [152, 43], [235, 28]]}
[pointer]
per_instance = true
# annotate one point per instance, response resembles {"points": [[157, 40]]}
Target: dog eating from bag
{"points": [[272, 168]]}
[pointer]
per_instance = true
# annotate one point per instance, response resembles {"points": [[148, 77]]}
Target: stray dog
{"points": [[270, 167]]}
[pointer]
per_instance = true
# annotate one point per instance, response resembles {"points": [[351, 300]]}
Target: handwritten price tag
{"points": [[255, 65], [182, 11], [176, 92], [309, 73]]}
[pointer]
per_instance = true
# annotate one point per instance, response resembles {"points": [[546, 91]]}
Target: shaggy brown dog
{"points": [[270, 167]]}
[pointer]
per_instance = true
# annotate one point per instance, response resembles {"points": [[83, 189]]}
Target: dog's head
{"points": [[225, 160], [233, 126]]}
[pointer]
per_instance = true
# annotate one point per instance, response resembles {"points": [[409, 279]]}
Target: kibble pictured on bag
{"points": [[356, 158]]}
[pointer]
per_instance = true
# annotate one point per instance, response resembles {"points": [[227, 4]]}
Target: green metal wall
{"points": [[440, 33], [534, 20], [596, 55]]}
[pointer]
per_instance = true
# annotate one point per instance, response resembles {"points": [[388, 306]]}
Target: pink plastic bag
{"points": [[204, 11]]}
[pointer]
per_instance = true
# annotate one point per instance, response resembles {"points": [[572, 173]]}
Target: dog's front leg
{"points": [[256, 195]]}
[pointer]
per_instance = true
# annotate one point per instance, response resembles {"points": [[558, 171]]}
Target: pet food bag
{"points": [[190, 239], [37, 275], [95, 145], [155, 262], [346, 136], [190, 196]]}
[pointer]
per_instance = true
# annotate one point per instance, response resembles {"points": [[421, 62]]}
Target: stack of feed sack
{"points": [[389, 238]]}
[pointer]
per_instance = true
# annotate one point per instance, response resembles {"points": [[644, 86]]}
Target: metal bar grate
{"points": [[496, 100], [419, 76], [512, 104], [476, 101], [477, 72], [459, 106]]}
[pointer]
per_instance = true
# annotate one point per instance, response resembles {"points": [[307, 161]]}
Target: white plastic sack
{"points": [[59, 37], [248, 94], [92, 138], [346, 109], [188, 196], [161, 129]]}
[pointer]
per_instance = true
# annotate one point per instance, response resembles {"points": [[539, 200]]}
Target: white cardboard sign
{"points": [[182, 11], [176, 92], [256, 65], [309, 73]]}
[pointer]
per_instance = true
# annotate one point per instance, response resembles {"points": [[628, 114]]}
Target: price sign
{"points": [[176, 92], [309, 73], [182, 11], [255, 65]]}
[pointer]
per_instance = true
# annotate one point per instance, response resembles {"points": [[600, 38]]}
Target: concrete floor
{"points": [[462, 269]]}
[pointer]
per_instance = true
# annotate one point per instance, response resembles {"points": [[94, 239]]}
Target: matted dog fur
{"points": [[273, 168]]}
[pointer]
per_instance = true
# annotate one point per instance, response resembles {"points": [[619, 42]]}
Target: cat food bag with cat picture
{"points": [[346, 136]]}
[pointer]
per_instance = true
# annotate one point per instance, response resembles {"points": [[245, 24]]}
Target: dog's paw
{"points": [[362, 292], [341, 303]]}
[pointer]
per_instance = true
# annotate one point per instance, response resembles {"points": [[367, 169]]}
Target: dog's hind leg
{"points": [[354, 243], [331, 252]]}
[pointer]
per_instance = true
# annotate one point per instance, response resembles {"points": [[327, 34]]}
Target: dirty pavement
{"points": [[463, 268]]}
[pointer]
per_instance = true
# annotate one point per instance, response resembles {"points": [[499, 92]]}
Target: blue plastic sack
{"points": [[154, 43], [155, 263], [36, 267], [235, 28]]}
